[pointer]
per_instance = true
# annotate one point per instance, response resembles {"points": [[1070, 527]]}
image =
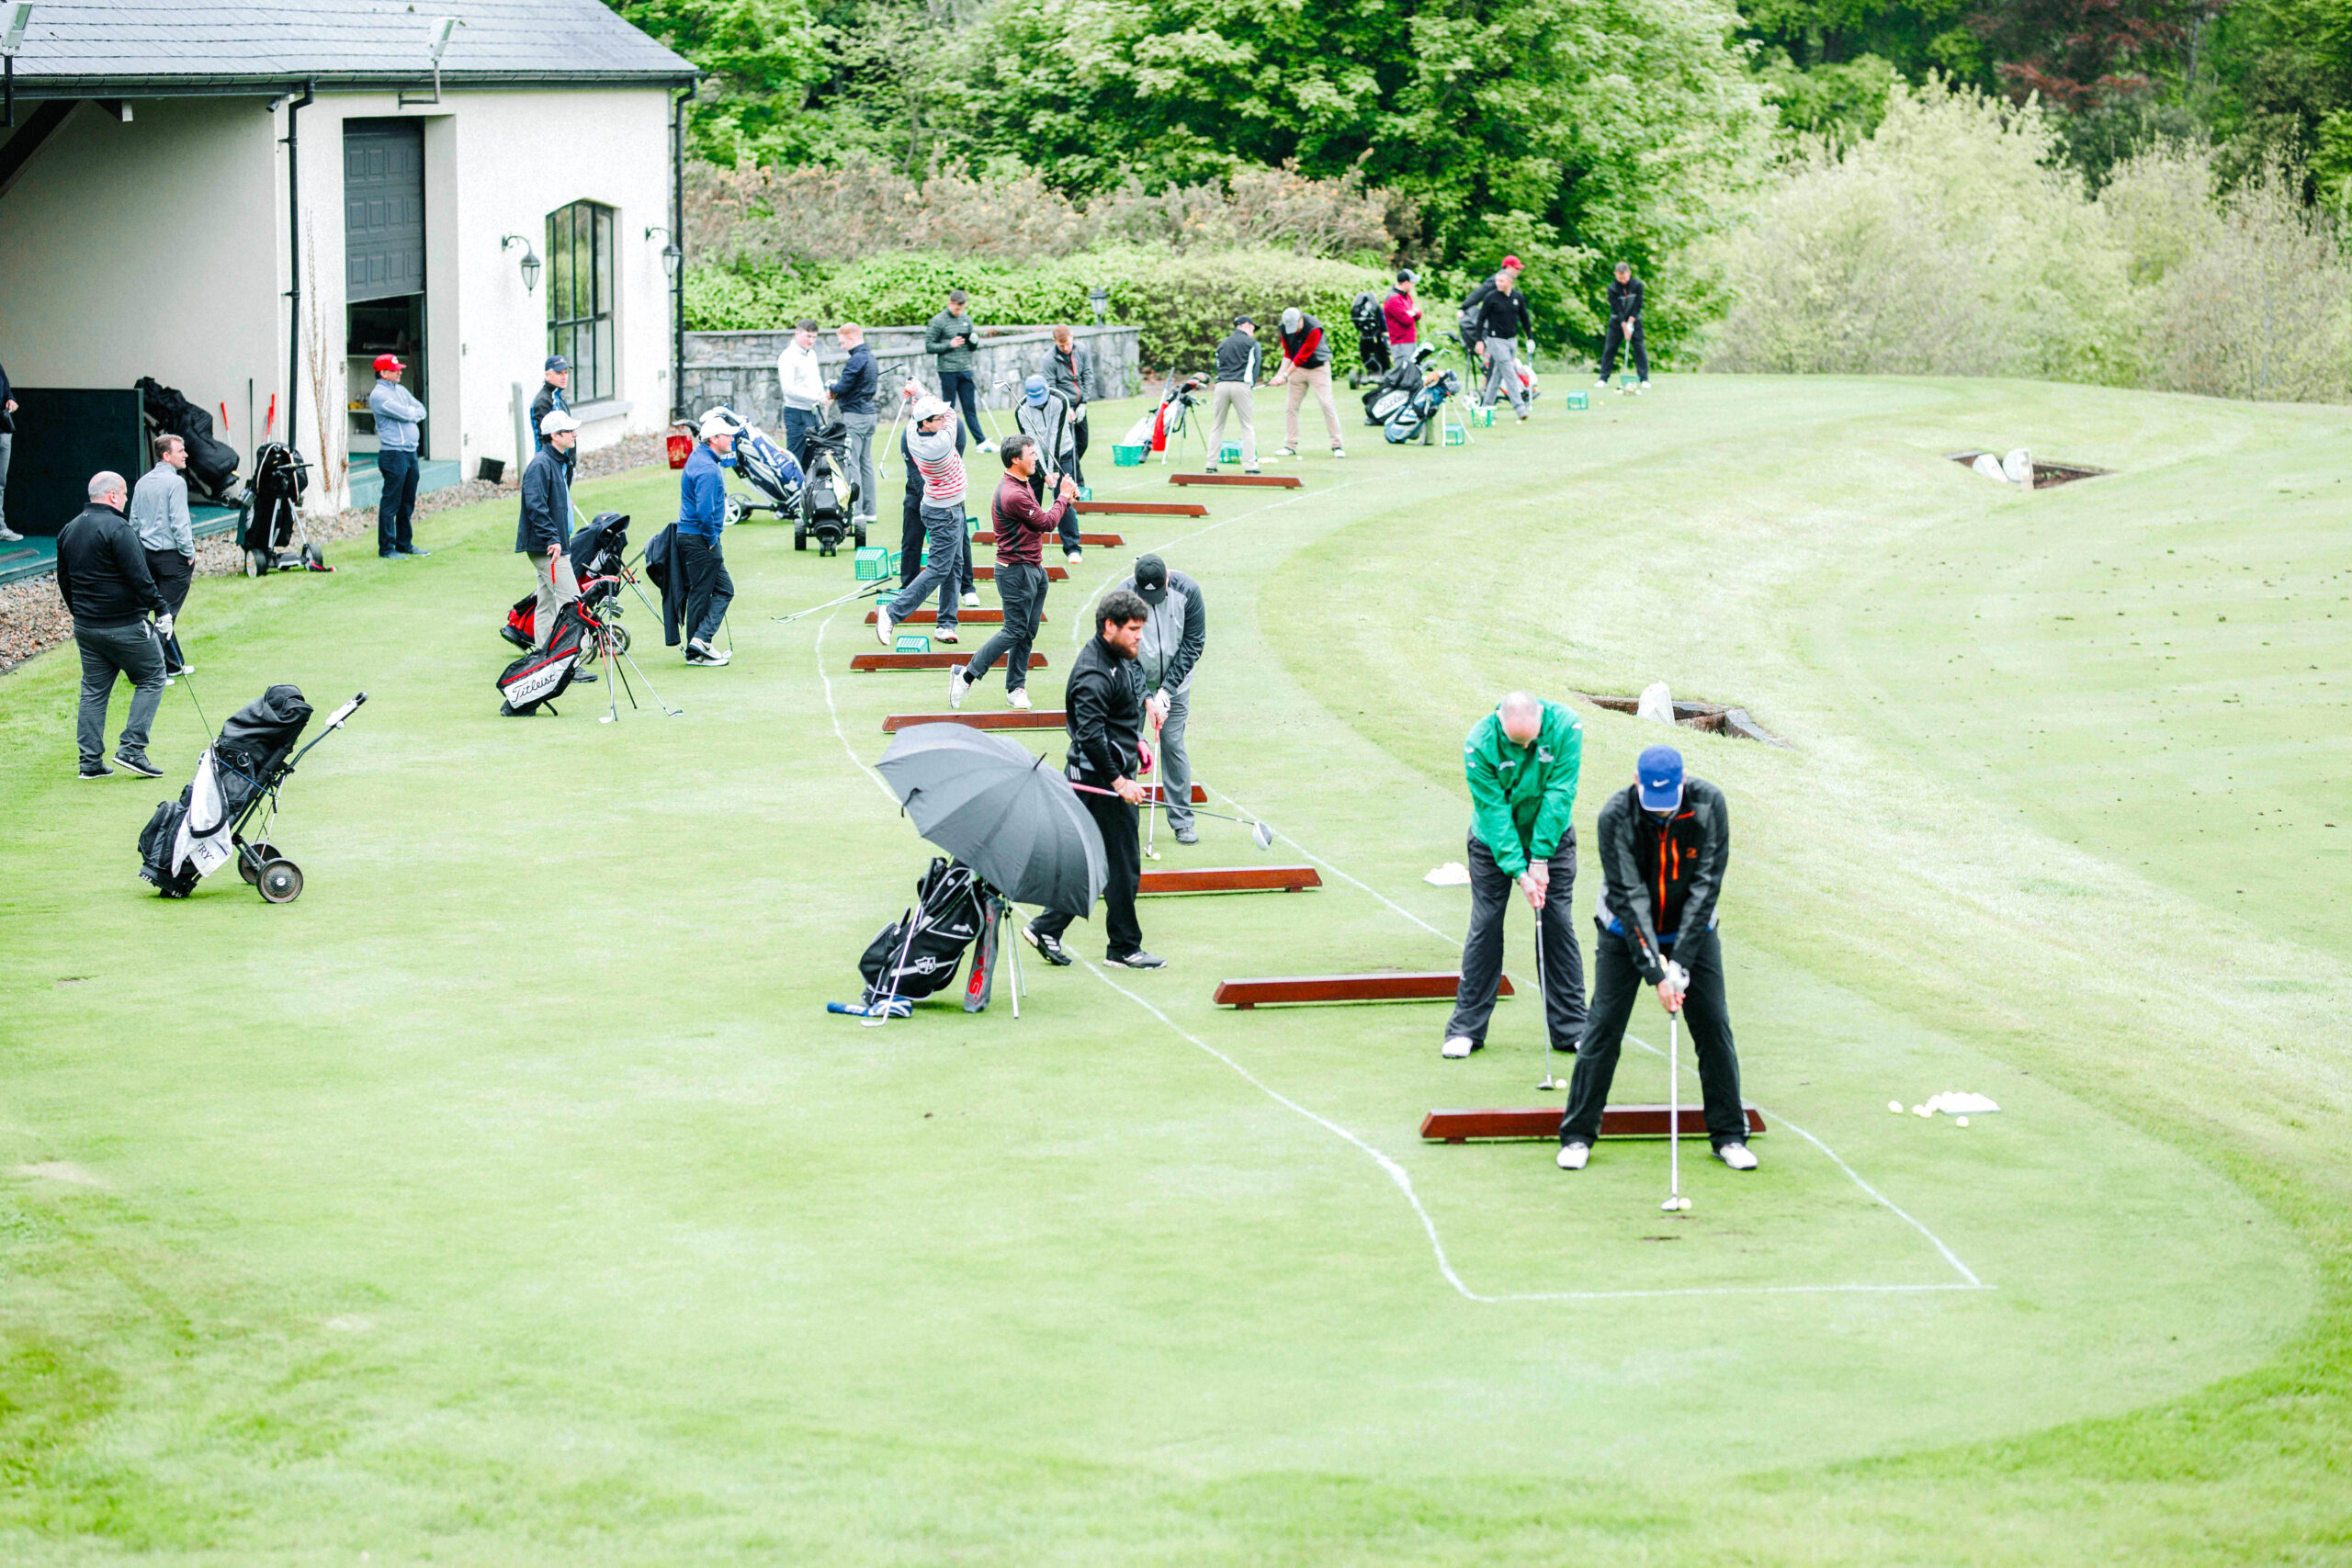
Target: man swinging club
{"points": [[1664, 842]]}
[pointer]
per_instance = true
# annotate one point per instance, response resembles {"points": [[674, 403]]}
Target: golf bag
{"points": [[768, 468], [829, 493], [1372, 338], [539, 677], [1406, 424], [189, 838], [211, 463], [1395, 388], [598, 552], [919, 953], [1177, 402], [273, 514]]}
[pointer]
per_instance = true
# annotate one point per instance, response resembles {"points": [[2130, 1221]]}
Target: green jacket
{"points": [[1521, 797], [938, 338]]}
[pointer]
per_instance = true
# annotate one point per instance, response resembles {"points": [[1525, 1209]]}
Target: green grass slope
{"points": [[509, 1199]]}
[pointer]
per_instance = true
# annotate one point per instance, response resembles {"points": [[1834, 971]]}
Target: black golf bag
{"points": [[918, 954], [598, 552], [1406, 424], [827, 491], [187, 839], [273, 509], [540, 676], [1372, 338], [1395, 388], [211, 463]]}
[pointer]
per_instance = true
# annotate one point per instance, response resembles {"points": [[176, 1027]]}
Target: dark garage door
{"points": [[383, 209]]}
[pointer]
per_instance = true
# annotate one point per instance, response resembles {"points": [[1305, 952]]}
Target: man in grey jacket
{"points": [[1173, 636], [950, 335], [159, 516], [397, 417], [1044, 416]]}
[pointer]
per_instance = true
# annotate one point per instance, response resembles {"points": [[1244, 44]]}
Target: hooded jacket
{"points": [[1174, 636], [1104, 699], [1660, 876], [102, 571], [1522, 797]]}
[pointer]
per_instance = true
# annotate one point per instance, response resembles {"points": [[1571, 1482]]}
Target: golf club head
{"points": [[1262, 834], [1671, 1205]]}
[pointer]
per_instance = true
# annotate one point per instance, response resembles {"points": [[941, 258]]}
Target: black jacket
{"points": [[1661, 877], [1624, 299], [102, 571], [550, 397], [1237, 358], [1504, 315], [668, 575], [1104, 699], [545, 517]]}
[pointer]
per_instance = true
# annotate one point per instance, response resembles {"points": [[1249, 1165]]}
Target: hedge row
{"points": [[1184, 304]]}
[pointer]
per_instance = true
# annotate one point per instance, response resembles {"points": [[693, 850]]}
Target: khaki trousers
{"points": [[1233, 396], [1301, 379]]}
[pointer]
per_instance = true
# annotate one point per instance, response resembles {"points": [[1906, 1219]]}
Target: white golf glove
{"points": [[1678, 978], [164, 626]]}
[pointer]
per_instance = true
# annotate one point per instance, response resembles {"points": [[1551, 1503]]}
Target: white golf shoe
{"points": [[882, 627], [972, 600], [1573, 1156], [1461, 1045], [1737, 1156], [1019, 698], [956, 686]]}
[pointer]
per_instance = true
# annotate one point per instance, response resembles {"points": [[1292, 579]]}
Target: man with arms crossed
{"points": [[1665, 841]]}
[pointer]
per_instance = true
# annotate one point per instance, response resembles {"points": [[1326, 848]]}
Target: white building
{"points": [[247, 201]]}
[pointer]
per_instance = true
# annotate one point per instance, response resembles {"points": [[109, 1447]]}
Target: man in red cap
{"points": [[396, 416], [1474, 311]]}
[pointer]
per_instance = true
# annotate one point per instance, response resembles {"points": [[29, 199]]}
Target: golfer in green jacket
{"points": [[1521, 761]]}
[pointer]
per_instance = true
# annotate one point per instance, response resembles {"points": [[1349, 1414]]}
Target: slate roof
{"points": [[125, 48]]}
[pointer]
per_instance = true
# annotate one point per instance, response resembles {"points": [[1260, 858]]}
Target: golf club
{"points": [[1543, 991], [1261, 834], [1674, 1201], [874, 590], [183, 678], [1151, 817]]}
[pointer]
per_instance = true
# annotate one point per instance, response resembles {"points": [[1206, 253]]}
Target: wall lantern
{"points": [[530, 260], [671, 255], [1099, 298]]}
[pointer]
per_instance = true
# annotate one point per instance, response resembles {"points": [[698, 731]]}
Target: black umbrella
{"points": [[1001, 811]]}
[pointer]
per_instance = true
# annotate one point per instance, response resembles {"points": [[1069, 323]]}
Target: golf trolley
{"points": [[606, 569], [239, 774], [271, 532]]}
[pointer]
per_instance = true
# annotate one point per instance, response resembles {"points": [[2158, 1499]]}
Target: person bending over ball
{"points": [[1664, 842]]}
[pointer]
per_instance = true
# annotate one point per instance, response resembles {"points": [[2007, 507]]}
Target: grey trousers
{"points": [[1233, 396], [943, 564], [558, 587], [7, 441], [1175, 768], [1491, 892], [861, 462], [132, 652], [1502, 370]]}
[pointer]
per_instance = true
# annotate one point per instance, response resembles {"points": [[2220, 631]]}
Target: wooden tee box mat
{"points": [[1053, 574], [1092, 541], [1392, 986], [931, 618], [1141, 508], [1258, 481], [1543, 1122], [948, 660], [1233, 879], [1153, 794], [1009, 718]]}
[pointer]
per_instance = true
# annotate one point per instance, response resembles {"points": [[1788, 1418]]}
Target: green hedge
{"points": [[1183, 303]]}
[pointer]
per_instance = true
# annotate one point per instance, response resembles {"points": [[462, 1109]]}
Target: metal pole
{"points": [[294, 264]]}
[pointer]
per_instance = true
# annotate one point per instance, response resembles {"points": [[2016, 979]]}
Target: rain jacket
{"points": [[1521, 797], [1660, 876], [939, 337]]}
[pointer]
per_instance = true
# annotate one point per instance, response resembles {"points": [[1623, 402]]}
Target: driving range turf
{"points": [[510, 1199]]}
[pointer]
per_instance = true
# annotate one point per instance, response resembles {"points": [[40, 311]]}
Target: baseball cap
{"points": [[557, 362], [1243, 322], [1291, 318], [389, 362], [555, 422], [718, 422], [929, 409], [1407, 274], [1513, 264], [1660, 776], [1151, 578], [1033, 389]]}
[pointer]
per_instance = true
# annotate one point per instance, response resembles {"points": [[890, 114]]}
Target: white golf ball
{"points": [[1960, 1120], [1896, 1106], [1685, 1204], [1921, 1111]]}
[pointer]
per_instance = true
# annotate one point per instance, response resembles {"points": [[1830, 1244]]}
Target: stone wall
{"points": [[739, 368]]}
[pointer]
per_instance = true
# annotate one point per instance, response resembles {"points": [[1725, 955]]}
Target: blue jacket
{"points": [[860, 379], [702, 494], [397, 415], [546, 504]]}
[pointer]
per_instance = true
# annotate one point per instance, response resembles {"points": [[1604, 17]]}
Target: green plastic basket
{"points": [[1127, 457], [1483, 417], [1086, 493], [1575, 400], [875, 563], [1229, 453], [1456, 436], [909, 642]]}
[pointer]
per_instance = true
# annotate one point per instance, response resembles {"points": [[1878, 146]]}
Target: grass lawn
{"points": [[510, 1199]]}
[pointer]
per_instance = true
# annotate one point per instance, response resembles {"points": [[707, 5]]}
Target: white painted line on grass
{"points": [[836, 712]]}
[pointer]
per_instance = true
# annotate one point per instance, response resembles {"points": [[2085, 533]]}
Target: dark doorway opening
{"points": [[383, 271]]}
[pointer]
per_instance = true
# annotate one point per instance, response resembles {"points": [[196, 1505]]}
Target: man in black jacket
{"points": [[1474, 306], [545, 522], [555, 377], [102, 576], [1105, 702], [1625, 327], [1664, 843], [1237, 382], [1503, 322]]}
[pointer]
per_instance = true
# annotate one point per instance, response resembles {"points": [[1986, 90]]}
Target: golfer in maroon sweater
{"points": [[1022, 528]]}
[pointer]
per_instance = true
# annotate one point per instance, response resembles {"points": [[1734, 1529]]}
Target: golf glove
{"points": [[164, 626], [1678, 978]]}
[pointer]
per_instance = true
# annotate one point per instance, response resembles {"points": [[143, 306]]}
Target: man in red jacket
{"points": [[1306, 363], [1022, 528], [1402, 311]]}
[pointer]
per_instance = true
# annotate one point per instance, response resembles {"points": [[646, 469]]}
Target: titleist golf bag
{"points": [[827, 491], [918, 954], [1406, 424], [598, 553], [1372, 338], [1395, 388], [537, 679]]}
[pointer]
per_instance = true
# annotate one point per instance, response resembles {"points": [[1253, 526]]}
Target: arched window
{"points": [[579, 296]]}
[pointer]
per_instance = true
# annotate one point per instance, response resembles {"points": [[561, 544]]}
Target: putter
{"points": [[1544, 992], [1674, 1201]]}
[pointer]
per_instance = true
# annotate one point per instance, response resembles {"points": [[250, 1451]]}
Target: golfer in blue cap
{"points": [[555, 377], [1044, 417], [1664, 842]]}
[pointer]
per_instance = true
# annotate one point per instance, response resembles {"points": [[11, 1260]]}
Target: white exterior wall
{"points": [[159, 248], [153, 249]]}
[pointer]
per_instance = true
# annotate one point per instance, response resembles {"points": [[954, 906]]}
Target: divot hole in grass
{"points": [[2046, 475], [1712, 719]]}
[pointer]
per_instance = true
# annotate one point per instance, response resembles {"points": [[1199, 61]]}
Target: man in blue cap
{"points": [[1521, 762], [555, 377], [1664, 842], [1045, 417]]}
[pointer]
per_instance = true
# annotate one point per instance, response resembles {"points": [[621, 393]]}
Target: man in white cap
{"points": [[547, 521], [701, 513], [931, 444]]}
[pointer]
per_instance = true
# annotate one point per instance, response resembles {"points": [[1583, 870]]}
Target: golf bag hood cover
{"points": [[187, 839], [768, 468], [211, 463]]}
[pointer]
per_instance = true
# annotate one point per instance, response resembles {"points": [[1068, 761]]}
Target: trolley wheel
{"points": [[734, 512], [257, 563], [799, 535], [312, 560], [861, 535], [252, 855], [619, 634], [281, 881]]}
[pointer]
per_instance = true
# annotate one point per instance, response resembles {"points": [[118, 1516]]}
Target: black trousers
{"points": [[709, 589], [958, 389], [173, 572], [1611, 340], [1123, 847], [1078, 459], [1022, 588], [396, 504], [1491, 891], [1706, 1017]]}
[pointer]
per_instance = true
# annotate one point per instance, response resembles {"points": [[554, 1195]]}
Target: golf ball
{"points": [[1896, 1106], [1685, 1204], [1921, 1111], [1960, 1120]]}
